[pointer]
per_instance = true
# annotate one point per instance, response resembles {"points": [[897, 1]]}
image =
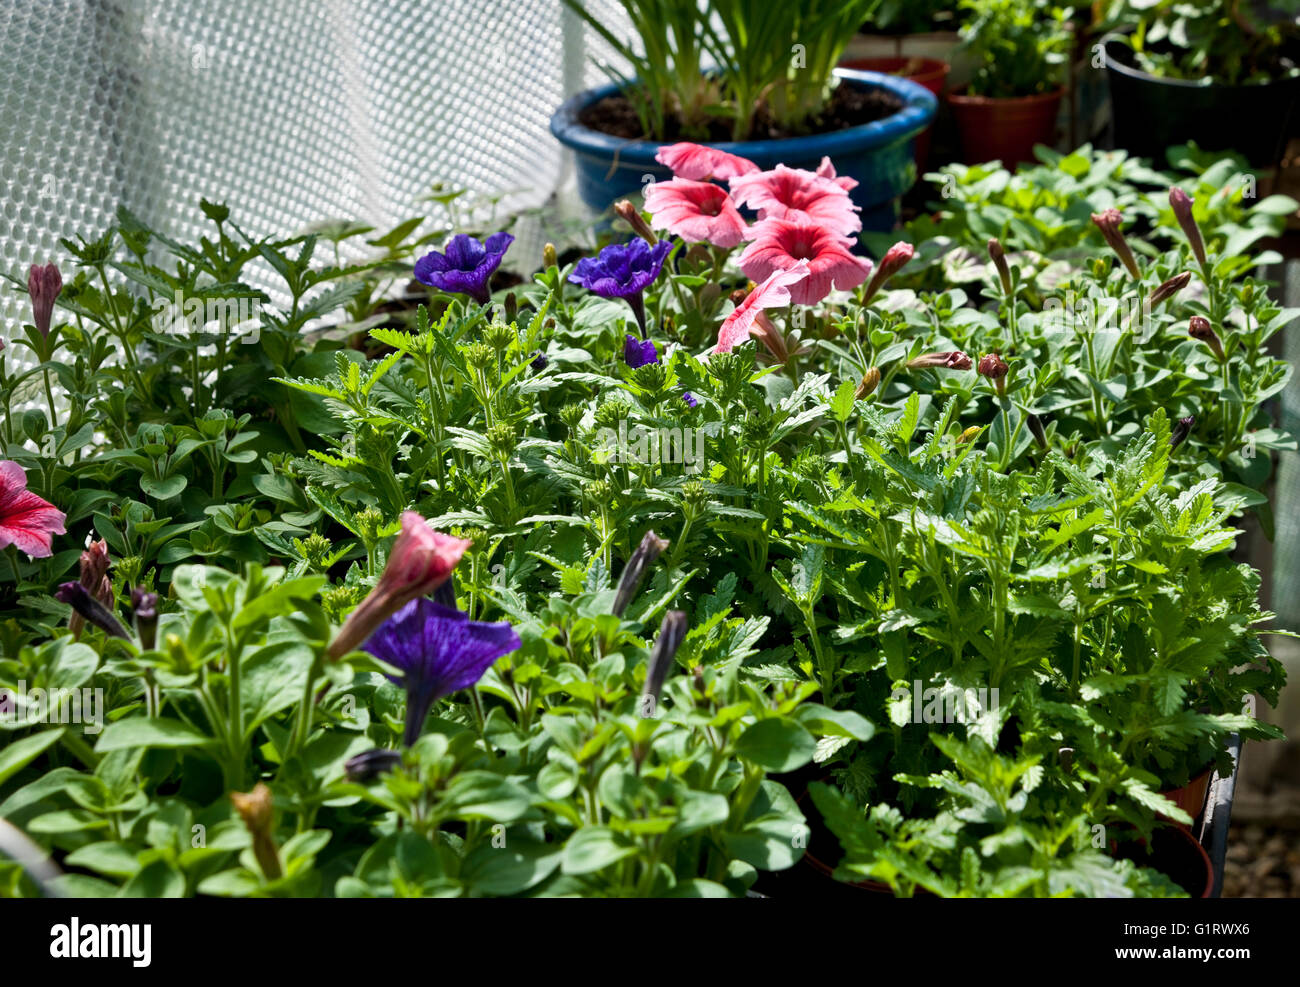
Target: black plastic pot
{"points": [[1150, 114]]}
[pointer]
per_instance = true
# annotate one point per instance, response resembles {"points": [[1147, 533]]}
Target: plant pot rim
{"points": [[927, 66], [960, 97], [1113, 64], [1185, 835], [919, 108]]}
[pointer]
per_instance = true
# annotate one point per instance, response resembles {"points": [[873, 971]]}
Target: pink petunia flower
{"points": [[698, 163], [747, 318], [827, 170], [780, 245], [698, 212], [797, 196], [420, 561], [26, 521]]}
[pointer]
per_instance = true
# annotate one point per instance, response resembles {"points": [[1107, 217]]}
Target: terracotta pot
{"points": [[1190, 797], [1004, 130], [929, 72], [1177, 854]]}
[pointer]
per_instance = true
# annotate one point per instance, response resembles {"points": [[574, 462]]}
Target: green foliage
{"points": [[1018, 46]]}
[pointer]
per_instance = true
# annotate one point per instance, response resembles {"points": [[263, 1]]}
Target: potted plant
{"points": [[765, 101], [1014, 96], [1222, 73]]}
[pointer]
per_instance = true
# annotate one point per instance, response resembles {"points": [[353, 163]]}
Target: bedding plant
{"points": [[597, 584]]}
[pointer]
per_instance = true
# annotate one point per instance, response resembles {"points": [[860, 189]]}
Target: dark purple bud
{"points": [[1037, 431], [949, 360], [672, 631], [91, 610], [1108, 222], [1199, 328], [634, 572], [539, 361], [145, 605], [1170, 288], [1181, 203], [1182, 429], [369, 765]]}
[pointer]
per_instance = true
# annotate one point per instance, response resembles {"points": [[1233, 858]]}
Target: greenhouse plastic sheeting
{"points": [[290, 111]]}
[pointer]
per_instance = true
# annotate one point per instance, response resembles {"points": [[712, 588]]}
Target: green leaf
{"points": [[778, 744], [593, 848], [20, 753], [141, 732]]}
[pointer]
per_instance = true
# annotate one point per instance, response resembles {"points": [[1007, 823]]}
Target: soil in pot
{"points": [[1004, 130], [1175, 853], [850, 106]]}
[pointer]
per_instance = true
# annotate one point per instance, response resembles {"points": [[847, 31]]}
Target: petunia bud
{"points": [[632, 216], [1108, 222], [539, 361], [93, 575], [370, 764], [895, 257], [968, 435], [672, 631], [549, 257], [992, 366], [1181, 203], [420, 561], [868, 384], [999, 258], [1182, 429], [1037, 431], [1170, 288], [43, 285], [634, 573], [949, 360], [256, 810], [145, 606], [1199, 328], [94, 612]]}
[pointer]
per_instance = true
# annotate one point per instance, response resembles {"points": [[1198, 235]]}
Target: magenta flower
{"points": [[639, 353], [26, 521], [747, 318], [698, 163], [623, 270], [439, 650], [827, 170], [466, 267], [780, 245], [44, 282], [698, 212], [797, 196]]}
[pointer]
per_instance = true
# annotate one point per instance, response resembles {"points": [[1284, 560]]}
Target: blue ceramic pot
{"points": [[879, 155]]}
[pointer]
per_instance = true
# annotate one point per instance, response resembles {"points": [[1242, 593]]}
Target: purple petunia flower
{"points": [[690, 399], [637, 353], [440, 651], [623, 270], [466, 267]]}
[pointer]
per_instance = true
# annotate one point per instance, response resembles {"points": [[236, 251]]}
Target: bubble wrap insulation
{"points": [[290, 111]]}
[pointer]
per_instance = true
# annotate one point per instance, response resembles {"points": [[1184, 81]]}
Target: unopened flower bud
{"points": [[1199, 328], [632, 216], [1181, 203], [968, 435], [948, 360], [539, 361], [549, 257], [1170, 288], [44, 282], [145, 606], [370, 764], [90, 609], [634, 573], [672, 631], [868, 384], [1182, 429], [1108, 222], [255, 809], [895, 257], [999, 258], [1037, 431]]}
